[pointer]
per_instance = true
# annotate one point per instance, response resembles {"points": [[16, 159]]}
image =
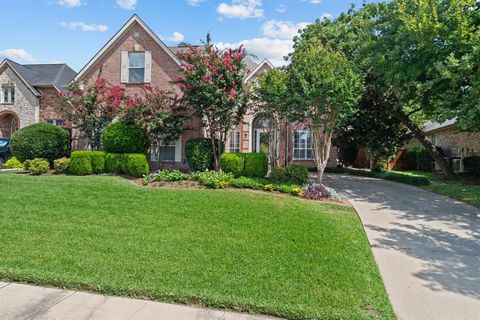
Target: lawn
{"points": [[232, 249], [454, 189]]}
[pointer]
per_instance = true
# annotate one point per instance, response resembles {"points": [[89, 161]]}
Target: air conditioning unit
{"points": [[457, 165]]}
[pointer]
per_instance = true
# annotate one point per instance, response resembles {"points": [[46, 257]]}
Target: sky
{"points": [[73, 31]]}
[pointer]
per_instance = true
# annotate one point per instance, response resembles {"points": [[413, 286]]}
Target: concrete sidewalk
{"points": [[26, 302], [427, 247]]}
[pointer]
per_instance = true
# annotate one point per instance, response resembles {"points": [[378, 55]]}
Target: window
{"points": [[302, 147], [8, 95], [55, 122], [136, 67], [167, 152], [234, 145]]}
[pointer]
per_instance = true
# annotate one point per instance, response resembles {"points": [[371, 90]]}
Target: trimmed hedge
{"points": [[296, 173], [233, 163], [472, 164], [113, 162], [40, 140], [61, 165], [123, 137], [95, 162], [39, 166], [81, 163], [256, 165], [199, 154], [98, 161], [134, 164]]}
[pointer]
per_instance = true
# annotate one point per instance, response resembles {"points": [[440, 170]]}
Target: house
{"points": [[136, 56], [29, 94]]}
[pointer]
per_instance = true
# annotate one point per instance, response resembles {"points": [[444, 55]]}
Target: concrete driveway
{"points": [[427, 246]]}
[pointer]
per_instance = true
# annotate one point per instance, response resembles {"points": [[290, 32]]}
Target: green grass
{"points": [[218, 248], [453, 189], [397, 176]]}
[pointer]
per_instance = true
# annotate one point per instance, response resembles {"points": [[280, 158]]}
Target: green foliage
{"points": [[98, 161], [402, 177], [472, 164], [61, 165], [296, 173], [39, 166], [421, 159], [213, 179], [124, 137], [13, 163], [135, 164], [40, 140], [347, 151], [233, 163], [256, 165], [80, 163], [279, 174], [166, 175], [247, 183], [26, 165], [113, 162], [199, 154]]}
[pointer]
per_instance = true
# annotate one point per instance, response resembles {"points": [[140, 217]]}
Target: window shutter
{"points": [[148, 67], [124, 68], [178, 150]]}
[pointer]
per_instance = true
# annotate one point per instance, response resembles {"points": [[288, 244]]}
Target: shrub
{"points": [[39, 166], [247, 183], [61, 165], [166, 175], [315, 191], [268, 187], [414, 180], [297, 192], [256, 165], [80, 163], [40, 140], [233, 163], [13, 163], [472, 164], [213, 179], [135, 164], [297, 173], [98, 161], [279, 175], [124, 137], [199, 154], [113, 162], [26, 165]]}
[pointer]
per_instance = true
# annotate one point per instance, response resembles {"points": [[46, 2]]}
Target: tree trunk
{"points": [[321, 143], [418, 133]]}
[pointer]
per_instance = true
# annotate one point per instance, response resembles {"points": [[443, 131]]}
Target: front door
{"points": [[261, 141]]}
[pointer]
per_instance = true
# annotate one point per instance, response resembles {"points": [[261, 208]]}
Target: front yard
{"points": [[234, 249]]}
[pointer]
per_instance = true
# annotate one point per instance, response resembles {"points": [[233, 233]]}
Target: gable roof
{"points": [[132, 20], [258, 68], [36, 76], [434, 126]]}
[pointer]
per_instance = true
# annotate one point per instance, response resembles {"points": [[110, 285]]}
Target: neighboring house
{"points": [[29, 94], [136, 56]]}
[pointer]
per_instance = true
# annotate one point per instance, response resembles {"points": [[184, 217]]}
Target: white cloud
{"points": [[326, 15], [176, 37], [87, 27], [282, 8], [313, 1], [241, 9], [18, 55], [69, 3], [194, 3], [282, 29], [127, 4]]}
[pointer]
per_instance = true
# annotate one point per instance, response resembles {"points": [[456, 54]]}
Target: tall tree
{"points": [[325, 87], [270, 101], [212, 83]]}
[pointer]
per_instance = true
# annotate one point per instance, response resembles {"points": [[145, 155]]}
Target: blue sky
{"points": [[72, 31]]}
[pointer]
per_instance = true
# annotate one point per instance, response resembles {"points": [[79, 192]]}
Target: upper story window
{"points": [[8, 95], [136, 67], [302, 147], [234, 144]]}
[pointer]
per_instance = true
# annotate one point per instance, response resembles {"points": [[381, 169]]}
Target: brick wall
{"points": [[456, 143]]}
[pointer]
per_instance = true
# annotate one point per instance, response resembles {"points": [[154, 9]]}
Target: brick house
{"points": [[29, 94], [136, 56]]}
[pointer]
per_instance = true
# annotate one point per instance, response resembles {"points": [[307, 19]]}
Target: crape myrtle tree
{"points": [[91, 107], [212, 83], [161, 114], [270, 101], [325, 87]]}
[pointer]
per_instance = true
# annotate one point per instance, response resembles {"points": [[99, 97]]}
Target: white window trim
{"points": [[306, 158], [125, 67], [178, 151], [7, 99], [232, 135]]}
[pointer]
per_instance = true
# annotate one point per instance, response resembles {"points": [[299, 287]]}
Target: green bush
{"points": [[39, 166], [247, 183], [13, 163], [213, 179], [199, 154], [256, 165], [472, 164], [113, 162], [135, 164], [124, 137], [297, 173], [233, 163], [61, 165], [279, 175], [40, 140], [81, 163], [98, 161], [26, 165], [410, 179]]}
